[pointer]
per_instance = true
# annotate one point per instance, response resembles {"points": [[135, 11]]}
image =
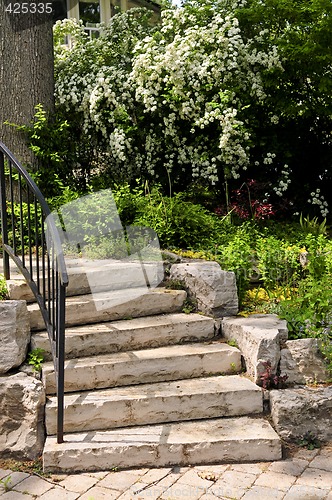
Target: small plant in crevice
{"points": [[174, 284], [189, 305], [232, 343], [309, 441], [270, 380], [6, 483], [35, 359]]}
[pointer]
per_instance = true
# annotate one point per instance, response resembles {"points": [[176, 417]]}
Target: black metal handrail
{"points": [[29, 234]]}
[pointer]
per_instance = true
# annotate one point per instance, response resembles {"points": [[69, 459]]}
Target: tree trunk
{"points": [[26, 71]]}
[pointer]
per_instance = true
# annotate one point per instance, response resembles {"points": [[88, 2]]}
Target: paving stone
{"points": [[322, 462], [316, 477], [98, 475], [304, 454], [223, 490], [212, 469], [34, 485], [99, 493], [302, 492], [237, 479], [137, 491], [58, 493], [78, 483], [57, 478], [155, 475], [180, 490], [262, 493], [257, 468], [208, 496], [281, 481], [293, 467], [16, 495], [232, 484], [191, 478], [5, 473], [119, 481], [167, 481], [16, 478]]}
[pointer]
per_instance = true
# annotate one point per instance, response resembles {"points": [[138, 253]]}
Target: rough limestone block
{"points": [[119, 304], [298, 411], [214, 289], [18, 289], [22, 403], [209, 441], [258, 337], [197, 398], [14, 333], [302, 361]]}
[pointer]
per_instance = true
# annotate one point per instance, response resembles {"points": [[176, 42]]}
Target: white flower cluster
{"points": [[283, 182], [318, 199]]}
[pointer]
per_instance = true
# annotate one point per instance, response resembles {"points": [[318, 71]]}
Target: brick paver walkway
{"points": [[305, 475]]}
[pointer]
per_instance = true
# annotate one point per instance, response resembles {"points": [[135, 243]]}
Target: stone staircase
{"points": [[147, 385]]}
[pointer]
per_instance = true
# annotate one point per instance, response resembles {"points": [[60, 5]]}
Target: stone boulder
{"points": [[22, 403], [302, 362], [258, 337], [213, 289], [14, 334], [300, 410]]}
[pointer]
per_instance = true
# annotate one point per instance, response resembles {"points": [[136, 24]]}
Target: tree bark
{"points": [[26, 72]]}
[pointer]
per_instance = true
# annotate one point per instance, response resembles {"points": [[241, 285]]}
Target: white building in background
{"points": [[93, 12]]}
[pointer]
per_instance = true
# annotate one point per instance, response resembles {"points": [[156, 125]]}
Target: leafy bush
{"points": [[176, 221]]}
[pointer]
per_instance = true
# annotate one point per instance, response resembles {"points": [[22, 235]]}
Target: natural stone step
{"points": [[146, 366], [96, 275], [180, 400], [138, 333], [111, 306], [240, 439]]}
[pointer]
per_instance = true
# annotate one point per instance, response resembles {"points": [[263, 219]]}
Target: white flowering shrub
{"points": [[217, 92], [169, 99]]}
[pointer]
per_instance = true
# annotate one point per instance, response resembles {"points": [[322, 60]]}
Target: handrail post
{"points": [[61, 360], [3, 210]]}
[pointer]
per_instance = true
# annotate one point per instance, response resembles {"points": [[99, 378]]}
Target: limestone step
{"points": [[237, 439], [97, 275], [137, 333], [208, 397], [115, 305], [145, 366]]}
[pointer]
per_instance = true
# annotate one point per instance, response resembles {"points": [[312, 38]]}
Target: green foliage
{"points": [[237, 255], [35, 359], [277, 262], [176, 221], [3, 288], [309, 441], [189, 305], [313, 226], [23, 220]]}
